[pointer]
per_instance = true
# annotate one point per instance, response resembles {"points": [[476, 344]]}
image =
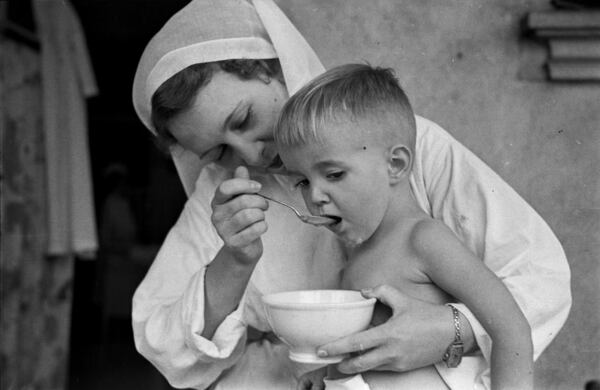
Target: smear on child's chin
{"points": [[353, 242]]}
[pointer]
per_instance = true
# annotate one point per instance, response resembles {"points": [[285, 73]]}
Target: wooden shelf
{"points": [[573, 41]]}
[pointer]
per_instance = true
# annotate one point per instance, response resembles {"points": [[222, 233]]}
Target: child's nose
{"points": [[318, 196]]}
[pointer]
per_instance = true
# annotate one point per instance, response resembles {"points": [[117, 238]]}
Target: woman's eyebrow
{"points": [[231, 114]]}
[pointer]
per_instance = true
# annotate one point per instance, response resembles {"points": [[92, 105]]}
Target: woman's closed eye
{"points": [[245, 121], [214, 154]]}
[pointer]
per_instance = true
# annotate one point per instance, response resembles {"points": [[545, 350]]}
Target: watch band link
{"points": [[453, 355]]}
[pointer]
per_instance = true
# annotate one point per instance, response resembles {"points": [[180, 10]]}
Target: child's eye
{"points": [[301, 183], [336, 175]]}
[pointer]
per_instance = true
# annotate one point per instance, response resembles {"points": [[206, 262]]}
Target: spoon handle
{"points": [[281, 203]]}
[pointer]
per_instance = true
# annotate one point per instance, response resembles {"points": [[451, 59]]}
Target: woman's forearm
{"points": [[225, 281]]}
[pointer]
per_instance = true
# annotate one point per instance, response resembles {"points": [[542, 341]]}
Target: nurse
{"points": [[210, 85]]}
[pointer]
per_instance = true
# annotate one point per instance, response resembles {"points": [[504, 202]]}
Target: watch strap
{"points": [[453, 355]]}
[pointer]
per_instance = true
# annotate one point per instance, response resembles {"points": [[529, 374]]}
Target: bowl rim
{"points": [[268, 301]]}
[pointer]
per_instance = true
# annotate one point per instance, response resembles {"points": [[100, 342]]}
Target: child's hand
{"points": [[312, 380]]}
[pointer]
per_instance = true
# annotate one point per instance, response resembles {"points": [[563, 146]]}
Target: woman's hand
{"points": [[416, 335], [239, 216]]}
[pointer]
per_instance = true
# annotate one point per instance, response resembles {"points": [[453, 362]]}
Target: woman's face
{"points": [[231, 122]]}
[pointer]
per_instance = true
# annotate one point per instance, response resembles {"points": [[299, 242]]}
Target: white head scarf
{"points": [[216, 30]]}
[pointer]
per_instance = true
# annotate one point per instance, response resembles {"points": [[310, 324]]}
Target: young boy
{"points": [[348, 140]]}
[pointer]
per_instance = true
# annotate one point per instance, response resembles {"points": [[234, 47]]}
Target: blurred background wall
{"points": [[465, 64]]}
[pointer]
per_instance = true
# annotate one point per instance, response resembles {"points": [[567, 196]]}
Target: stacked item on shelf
{"points": [[573, 38]]}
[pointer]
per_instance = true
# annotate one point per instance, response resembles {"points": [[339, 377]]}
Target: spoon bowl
{"points": [[317, 220]]}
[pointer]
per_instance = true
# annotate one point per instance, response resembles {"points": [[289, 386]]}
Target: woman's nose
{"points": [[251, 152]]}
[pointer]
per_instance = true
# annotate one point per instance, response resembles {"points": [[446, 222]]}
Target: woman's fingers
{"points": [[248, 235], [238, 215], [416, 335], [240, 211], [232, 200], [359, 342], [234, 187], [372, 337], [389, 296], [241, 221], [241, 172], [239, 184], [370, 360]]}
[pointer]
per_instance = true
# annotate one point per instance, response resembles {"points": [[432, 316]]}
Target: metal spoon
{"points": [[315, 220]]}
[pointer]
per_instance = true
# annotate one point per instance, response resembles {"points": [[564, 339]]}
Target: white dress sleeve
{"points": [[454, 185], [168, 306]]}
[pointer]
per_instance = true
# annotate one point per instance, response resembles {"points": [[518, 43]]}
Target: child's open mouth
{"points": [[336, 220]]}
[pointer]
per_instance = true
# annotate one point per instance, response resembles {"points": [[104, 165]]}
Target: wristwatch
{"points": [[455, 350]]}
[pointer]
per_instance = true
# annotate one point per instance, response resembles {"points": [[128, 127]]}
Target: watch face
{"points": [[453, 355]]}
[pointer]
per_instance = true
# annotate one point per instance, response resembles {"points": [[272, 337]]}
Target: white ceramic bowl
{"points": [[307, 319]]}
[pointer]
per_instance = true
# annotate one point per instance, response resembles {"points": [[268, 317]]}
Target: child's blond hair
{"points": [[347, 92]]}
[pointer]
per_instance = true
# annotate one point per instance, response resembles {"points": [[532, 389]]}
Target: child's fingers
{"points": [[304, 384], [318, 386], [313, 380]]}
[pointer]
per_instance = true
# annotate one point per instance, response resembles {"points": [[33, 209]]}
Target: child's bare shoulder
{"points": [[429, 236], [427, 228]]}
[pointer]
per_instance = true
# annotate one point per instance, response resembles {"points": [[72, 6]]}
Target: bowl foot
{"points": [[306, 357]]}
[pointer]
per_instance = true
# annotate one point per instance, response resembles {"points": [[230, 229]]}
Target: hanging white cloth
{"points": [[67, 80]]}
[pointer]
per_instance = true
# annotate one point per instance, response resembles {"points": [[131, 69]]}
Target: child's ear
{"points": [[399, 162]]}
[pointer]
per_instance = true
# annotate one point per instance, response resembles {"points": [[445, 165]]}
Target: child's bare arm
{"points": [[456, 270]]}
